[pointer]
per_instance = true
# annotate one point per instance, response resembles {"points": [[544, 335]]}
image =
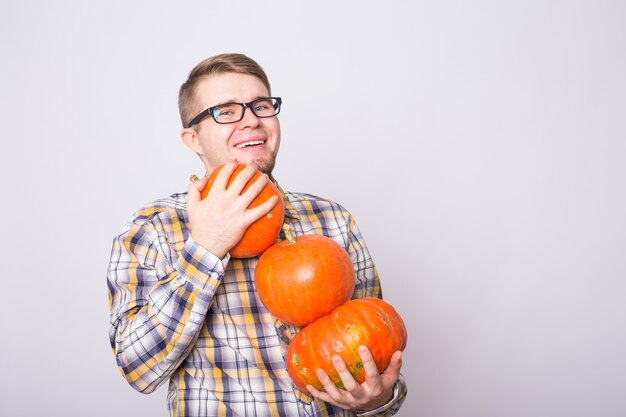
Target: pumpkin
{"points": [[304, 278], [365, 321], [261, 234]]}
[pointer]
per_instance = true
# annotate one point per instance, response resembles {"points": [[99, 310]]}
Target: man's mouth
{"points": [[250, 143]]}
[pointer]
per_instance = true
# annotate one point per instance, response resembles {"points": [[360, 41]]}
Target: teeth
{"points": [[251, 143]]}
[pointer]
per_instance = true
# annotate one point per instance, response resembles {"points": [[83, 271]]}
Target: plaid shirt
{"points": [[179, 313]]}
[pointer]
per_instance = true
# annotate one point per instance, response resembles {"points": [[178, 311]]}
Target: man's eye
{"points": [[263, 105], [223, 112]]}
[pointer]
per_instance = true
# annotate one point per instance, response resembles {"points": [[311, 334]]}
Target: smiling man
{"points": [[184, 311]]}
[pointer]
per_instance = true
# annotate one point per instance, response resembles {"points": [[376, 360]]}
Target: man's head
{"points": [[229, 78]]}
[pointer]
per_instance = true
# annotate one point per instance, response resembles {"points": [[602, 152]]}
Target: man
{"points": [[183, 310]]}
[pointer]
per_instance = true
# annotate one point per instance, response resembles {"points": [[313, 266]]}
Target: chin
{"points": [[265, 166], [262, 165]]}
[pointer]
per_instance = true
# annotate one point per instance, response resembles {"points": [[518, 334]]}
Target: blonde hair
{"points": [[217, 64]]}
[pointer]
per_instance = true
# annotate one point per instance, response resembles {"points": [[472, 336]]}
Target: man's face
{"points": [[250, 140]]}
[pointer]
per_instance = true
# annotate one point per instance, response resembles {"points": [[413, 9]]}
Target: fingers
{"points": [[257, 212], [239, 182], [254, 190], [344, 373], [369, 365], [242, 178], [222, 178], [248, 196], [371, 370], [323, 396], [376, 390], [332, 393], [315, 392]]}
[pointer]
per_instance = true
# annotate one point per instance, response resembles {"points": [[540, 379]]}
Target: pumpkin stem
{"points": [[289, 234]]}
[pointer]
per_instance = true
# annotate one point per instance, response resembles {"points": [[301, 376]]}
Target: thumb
{"points": [[194, 191], [393, 369]]}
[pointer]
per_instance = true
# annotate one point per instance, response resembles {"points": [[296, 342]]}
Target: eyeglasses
{"points": [[233, 112]]}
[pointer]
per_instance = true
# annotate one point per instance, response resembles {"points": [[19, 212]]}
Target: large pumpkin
{"points": [[261, 234], [304, 278], [365, 321]]}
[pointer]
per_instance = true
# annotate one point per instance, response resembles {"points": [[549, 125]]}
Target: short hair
{"points": [[218, 64]]}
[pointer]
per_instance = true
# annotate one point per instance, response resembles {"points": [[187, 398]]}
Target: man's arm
{"points": [[380, 393], [159, 300], [157, 309]]}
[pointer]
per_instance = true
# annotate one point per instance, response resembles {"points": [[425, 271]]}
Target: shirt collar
{"points": [[290, 211]]}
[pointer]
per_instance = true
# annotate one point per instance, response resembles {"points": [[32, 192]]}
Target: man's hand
{"points": [[219, 221], [375, 391]]}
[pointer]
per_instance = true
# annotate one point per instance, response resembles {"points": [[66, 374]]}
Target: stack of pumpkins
{"points": [[307, 282]]}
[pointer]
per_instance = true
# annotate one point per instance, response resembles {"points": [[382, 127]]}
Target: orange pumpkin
{"points": [[261, 234], [365, 321], [302, 279]]}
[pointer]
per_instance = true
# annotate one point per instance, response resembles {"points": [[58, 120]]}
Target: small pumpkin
{"points": [[365, 321], [261, 234], [304, 278]]}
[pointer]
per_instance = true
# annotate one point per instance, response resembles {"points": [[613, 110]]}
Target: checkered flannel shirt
{"points": [[179, 313]]}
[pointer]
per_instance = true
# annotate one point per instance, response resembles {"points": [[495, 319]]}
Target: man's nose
{"points": [[249, 119]]}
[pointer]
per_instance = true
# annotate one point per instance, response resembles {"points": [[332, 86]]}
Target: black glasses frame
{"points": [[248, 105]]}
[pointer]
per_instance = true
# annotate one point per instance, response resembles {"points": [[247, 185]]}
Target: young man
{"points": [[183, 310]]}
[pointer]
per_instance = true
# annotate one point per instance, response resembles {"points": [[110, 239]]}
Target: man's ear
{"points": [[191, 140]]}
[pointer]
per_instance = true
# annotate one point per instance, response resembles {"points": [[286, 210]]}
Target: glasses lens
{"points": [[227, 113], [265, 107]]}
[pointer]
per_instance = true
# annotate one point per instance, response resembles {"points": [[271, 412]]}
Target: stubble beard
{"points": [[265, 166]]}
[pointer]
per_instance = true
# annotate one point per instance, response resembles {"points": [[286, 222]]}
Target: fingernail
{"points": [[362, 349], [194, 178]]}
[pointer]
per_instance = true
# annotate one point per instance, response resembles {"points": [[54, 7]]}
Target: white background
{"points": [[479, 144]]}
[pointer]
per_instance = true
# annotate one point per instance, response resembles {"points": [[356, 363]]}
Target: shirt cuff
{"points": [[199, 266], [382, 408]]}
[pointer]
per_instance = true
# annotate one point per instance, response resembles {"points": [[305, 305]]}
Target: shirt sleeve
{"points": [[367, 283], [158, 302], [392, 407]]}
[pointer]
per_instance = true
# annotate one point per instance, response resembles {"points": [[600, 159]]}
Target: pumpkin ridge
{"points": [[394, 322], [337, 336], [301, 373], [309, 374]]}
